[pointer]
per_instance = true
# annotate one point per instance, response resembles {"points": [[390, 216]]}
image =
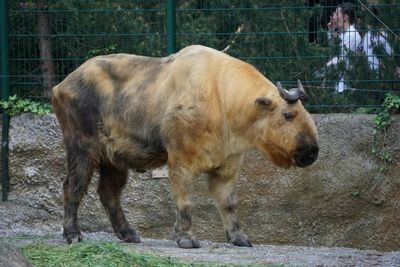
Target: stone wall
{"points": [[341, 200]]}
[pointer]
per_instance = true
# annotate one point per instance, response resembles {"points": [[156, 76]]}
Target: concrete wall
{"points": [[341, 200]]}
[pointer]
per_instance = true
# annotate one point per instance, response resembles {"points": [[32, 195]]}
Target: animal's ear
{"points": [[264, 102]]}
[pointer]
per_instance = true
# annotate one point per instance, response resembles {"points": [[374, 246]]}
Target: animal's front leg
{"points": [[222, 185], [180, 181]]}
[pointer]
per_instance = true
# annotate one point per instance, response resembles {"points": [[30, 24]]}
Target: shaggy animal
{"points": [[197, 111]]}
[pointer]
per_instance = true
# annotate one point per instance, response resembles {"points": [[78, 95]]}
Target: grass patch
{"points": [[92, 254]]}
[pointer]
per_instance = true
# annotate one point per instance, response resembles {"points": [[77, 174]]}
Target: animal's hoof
{"points": [[129, 236], [188, 243], [132, 239], [241, 241], [73, 238]]}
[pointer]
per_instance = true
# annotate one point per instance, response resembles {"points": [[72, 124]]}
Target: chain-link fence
{"points": [[285, 40]]}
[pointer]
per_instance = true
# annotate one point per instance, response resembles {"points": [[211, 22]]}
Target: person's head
{"points": [[345, 15]]}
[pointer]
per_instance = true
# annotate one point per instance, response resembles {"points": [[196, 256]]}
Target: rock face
{"points": [[341, 200], [11, 257]]}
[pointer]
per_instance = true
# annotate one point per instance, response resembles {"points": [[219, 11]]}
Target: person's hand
{"points": [[332, 25]]}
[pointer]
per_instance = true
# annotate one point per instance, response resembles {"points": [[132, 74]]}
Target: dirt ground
{"points": [[223, 253], [21, 225]]}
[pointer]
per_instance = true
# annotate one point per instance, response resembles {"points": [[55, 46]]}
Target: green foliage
{"points": [[101, 51], [94, 254], [274, 37], [391, 105], [15, 105]]}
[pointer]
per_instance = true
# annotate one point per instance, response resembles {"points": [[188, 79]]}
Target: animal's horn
{"points": [[302, 93], [290, 96]]}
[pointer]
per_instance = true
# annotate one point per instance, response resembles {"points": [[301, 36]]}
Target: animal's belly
{"points": [[136, 147], [137, 155], [146, 161]]}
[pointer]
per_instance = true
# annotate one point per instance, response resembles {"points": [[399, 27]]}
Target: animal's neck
{"points": [[238, 88]]}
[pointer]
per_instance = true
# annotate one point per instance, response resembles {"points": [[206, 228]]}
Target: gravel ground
{"points": [[229, 254], [19, 225]]}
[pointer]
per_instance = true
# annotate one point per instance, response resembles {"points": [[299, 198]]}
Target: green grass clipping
{"points": [[92, 254]]}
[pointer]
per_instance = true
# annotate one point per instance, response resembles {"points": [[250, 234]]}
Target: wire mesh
{"points": [[285, 40]]}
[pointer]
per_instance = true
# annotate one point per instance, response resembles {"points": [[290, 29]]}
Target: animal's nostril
{"points": [[312, 157], [306, 155], [314, 153]]}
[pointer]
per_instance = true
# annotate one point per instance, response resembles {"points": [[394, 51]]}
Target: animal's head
{"points": [[285, 131]]}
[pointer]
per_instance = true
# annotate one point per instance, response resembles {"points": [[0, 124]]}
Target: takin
{"points": [[197, 111]]}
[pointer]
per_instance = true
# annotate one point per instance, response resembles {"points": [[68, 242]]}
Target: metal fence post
{"points": [[4, 95], [170, 26]]}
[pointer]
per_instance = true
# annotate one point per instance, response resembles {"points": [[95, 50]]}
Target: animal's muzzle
{"points": [[306, 155]]}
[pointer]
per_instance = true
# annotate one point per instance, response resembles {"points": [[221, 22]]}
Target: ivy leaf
{"points": [[391, 105], [12, 98]]}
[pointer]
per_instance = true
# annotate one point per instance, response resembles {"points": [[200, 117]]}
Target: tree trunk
{"points": [[45, 48]]}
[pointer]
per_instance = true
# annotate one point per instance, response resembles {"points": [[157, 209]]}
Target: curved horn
{"points": [[302, 93], [290, 96], [293, 94]]}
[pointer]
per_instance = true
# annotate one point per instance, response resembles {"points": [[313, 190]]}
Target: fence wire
{"points": [[285, 40]]}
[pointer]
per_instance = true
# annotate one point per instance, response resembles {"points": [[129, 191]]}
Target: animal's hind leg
{"points": [[112, 181], [222, 185], [80, 170]]}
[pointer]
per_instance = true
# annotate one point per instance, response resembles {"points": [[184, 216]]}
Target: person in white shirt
{"points": [[373, 39], [341, 25]]}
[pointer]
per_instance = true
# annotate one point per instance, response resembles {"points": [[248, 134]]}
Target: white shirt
{"points": [[349, 41], [371, 41]]}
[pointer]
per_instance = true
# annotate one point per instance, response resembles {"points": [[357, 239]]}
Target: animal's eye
{"points": [[289, 116]]}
